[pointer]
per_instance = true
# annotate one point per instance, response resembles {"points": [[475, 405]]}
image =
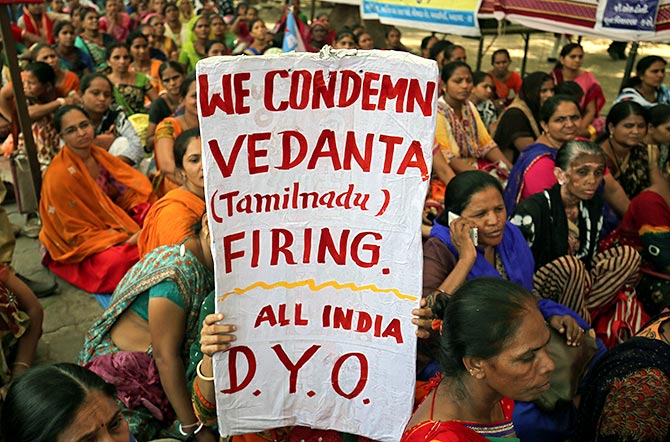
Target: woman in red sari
{"points": [[484, 369]]}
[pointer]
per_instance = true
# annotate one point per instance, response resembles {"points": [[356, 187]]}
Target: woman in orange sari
{"points": [[92, 207], [167, 132], [170, 220]]}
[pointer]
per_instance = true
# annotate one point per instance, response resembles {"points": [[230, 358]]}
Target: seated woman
{"points": [[142, 62], [634, 165], [167, 132], [519, 126], [482, 92], [115, 22], [148, 31], [454, 53], [344, 40], [646, 88], [563, 225], [91, 40], [39, 86], [130, 88], [185, 10], [21, 316], [67, 83], [507, 83], [392, 39], [215, 48], [463, 140], [239, 25], [162, 42], [484, 369], [174, 28], [62, 402], [258, 32], [113, 130], [427, 42], [437, 53], [172, 76], [646, 227], [220, 32], [627, 392], [170, 219], [151, 323], [71, 57], [658, 131], [318, 36], [93, 246], [533, 171], [364, 41], [569, 68], [193, 49]]}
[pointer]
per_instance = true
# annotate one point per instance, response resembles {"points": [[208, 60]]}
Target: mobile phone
{"points": [[474, 233]]}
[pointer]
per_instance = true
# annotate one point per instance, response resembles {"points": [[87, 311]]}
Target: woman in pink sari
{"points": [[569, 68]]}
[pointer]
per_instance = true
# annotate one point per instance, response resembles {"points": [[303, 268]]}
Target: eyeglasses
{"points": [[73, 129], [563, 120]]}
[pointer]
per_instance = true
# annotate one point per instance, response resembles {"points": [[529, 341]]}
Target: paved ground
{"points": [[67, 314]]}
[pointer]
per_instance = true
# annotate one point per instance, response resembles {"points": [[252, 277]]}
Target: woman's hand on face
{"points": [[566, 325], [215, 337], [423, 319], [460, 237]]}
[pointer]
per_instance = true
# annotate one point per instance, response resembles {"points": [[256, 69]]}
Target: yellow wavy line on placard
{"points": [[311, 284]]}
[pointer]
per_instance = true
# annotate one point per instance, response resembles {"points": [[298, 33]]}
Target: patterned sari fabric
{"points": [[131, 96], [465, 137], [13, 324], [93, 49], [517, 177], [194, 281], [438, 431], [627, 393], [633, 172]]}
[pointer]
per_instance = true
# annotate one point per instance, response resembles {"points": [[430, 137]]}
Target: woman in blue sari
{"points": [[451, 258]]}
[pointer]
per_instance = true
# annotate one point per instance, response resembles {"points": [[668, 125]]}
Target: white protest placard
{"points": [[316, 170]]}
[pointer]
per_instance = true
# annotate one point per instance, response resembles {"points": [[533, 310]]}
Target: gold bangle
{"points": [[198, 370], [21, 364]]}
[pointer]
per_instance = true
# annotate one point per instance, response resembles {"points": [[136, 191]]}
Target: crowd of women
{"points": [[571, 259]]}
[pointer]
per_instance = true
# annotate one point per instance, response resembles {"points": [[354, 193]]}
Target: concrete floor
{"points": [[67, 314]]}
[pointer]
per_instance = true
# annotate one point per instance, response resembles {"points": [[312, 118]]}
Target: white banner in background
{"points": [[316, 169]]}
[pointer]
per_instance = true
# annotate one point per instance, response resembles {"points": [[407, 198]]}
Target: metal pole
{"points": [[632, 54], [20, 100], [526, 38], [479, 53], [313, 12]]}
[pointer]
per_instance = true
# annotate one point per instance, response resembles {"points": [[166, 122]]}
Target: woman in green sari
{"points": [[91, 40], [194, 47], [142, 341]]}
